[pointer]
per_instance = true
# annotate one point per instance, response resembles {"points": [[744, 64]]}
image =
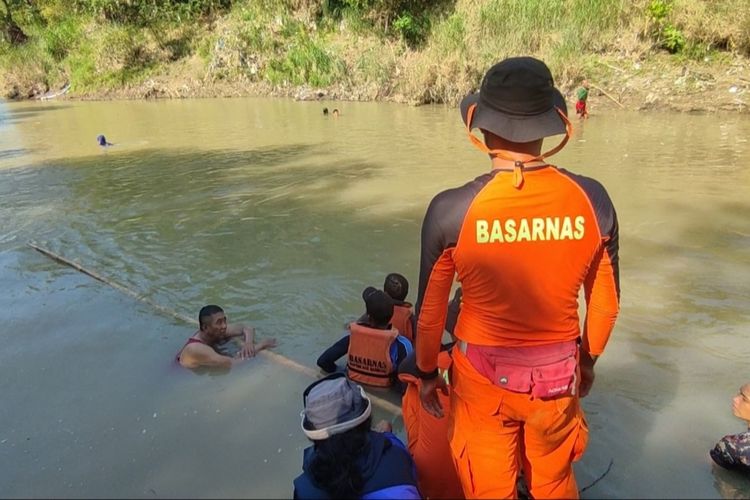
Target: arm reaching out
{"points": [[265, 344]]}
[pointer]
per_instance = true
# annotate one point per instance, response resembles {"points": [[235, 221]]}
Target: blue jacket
{"points": [[387, 468]]}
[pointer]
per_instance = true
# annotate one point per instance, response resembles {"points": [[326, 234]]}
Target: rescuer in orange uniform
{"points": [[427, 436], [522, 240]]}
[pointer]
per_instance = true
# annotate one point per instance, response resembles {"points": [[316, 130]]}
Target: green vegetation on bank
{"points": [[422, 50]]}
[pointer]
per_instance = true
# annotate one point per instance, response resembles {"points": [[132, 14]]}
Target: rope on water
{"points": [[278, 358], [611, 461]]}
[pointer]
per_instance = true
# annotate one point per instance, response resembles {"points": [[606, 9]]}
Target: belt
{"points": [[463, 345]]}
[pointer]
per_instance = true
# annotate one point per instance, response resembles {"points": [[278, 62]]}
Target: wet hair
{"points": [[379, 306], [206, 312], [334, 465], [101, 140], [396, 286], [325, 111]]}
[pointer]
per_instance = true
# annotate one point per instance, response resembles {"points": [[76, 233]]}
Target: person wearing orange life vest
{"points": [[397, 287], [373, 347], [403, 320], [522, 239]]}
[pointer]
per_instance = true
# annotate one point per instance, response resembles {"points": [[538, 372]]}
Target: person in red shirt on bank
{"points": [[522, 239]]}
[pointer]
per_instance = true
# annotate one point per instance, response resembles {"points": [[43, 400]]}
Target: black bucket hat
{"points": [[517, 101]]}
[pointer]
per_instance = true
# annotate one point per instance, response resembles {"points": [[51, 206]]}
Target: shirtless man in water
{"points": [[200, 349]]}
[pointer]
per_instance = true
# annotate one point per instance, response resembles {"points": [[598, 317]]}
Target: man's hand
{"points": [[429, 398], [247, 351], [383, 426], [248, 348], [265, 344], [586, 365]]}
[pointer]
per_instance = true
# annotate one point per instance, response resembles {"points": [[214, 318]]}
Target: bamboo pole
{"points": [[606, 94], [277, 358]]}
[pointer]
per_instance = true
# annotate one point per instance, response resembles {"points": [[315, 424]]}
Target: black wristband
{"points": [[427, 375]]}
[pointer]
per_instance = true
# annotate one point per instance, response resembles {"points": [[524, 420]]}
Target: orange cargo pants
{"points": [[492, 427]]}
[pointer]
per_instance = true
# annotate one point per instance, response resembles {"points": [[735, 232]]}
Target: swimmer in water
{"points": [[733, 451], [200, 349], [325, 111], [103, 141]]}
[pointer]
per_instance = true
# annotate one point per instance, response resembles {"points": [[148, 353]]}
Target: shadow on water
{"points": [[263, 232], [8, 154], [730, 484], [14, 114]]}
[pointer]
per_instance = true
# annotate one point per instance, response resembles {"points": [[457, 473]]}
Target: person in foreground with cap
{"points": [[522, 239], [373, 347], [347, 459]]}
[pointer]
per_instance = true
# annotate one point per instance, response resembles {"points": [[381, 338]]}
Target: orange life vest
{"points": [[369, 358], [401, 320]]}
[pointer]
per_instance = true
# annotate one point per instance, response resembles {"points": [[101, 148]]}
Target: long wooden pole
{"points": [[278, 358]]}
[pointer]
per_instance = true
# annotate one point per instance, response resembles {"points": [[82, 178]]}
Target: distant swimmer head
{"points": [[379, 306], [396, 286], [325, 111], [335, 113], [102, 141]]}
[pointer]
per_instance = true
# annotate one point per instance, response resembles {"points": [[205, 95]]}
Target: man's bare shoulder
{"points": [[195, 353]]}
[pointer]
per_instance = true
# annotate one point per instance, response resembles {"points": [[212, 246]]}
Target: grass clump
{"points": [[306, 61], [422, 50]]}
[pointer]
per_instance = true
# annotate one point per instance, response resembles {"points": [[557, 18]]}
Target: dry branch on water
{"points": [[602, 476], [607, 95]]}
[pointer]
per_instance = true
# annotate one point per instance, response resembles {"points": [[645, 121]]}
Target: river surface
{"points": [[283, 216]]}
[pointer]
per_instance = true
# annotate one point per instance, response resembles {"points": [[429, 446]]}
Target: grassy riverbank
{"points": [[682, 54]]}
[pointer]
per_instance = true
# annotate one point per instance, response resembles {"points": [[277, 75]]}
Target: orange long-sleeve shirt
{"points": [[522, 256]]}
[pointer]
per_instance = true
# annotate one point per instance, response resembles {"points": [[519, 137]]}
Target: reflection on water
{"points": [[730, 484], [283, 216]]}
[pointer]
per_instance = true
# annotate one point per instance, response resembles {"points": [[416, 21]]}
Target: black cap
{"points": [[518, 101]]}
